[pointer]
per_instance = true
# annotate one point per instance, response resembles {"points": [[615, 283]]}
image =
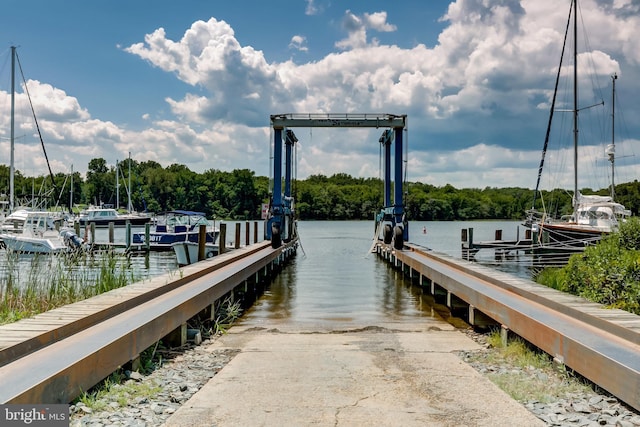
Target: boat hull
{"points": [[29, 245], [187, 252], [163, 241], [567, 237]]}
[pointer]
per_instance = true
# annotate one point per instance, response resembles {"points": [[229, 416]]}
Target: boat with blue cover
{"points": [[177, 226]]}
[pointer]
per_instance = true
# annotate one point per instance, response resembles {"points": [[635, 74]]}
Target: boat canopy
{"points": [[181, 212], [593, 199]]}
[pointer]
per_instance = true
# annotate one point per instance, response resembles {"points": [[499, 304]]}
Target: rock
{"points": [[136, 376]]}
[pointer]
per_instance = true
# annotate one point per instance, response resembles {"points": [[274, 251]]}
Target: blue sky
{"points": [[194, 82]]}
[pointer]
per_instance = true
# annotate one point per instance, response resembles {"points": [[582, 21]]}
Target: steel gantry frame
{"points": [[280, 221]]}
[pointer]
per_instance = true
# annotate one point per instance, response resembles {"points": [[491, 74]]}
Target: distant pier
{"points": [[500, 246]]}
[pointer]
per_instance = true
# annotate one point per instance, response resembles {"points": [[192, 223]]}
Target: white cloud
{"points": [[478, 90], [298, 42], [378, 21], [357, 26], [312, 8]]}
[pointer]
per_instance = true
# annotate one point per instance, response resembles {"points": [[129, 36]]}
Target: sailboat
{"points": [[593, 216], [26, 229], [34, 201]]}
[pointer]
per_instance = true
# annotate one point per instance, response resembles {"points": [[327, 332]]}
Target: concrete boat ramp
{"points": [[391, 374]]}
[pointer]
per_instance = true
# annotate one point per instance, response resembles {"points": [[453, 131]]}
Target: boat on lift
{"points": [[177, 226]]}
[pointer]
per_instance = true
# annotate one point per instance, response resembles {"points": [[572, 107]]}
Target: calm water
{"points": [[334, 278]]}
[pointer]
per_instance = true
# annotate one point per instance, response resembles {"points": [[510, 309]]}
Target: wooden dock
{"points": [[501, 247]]}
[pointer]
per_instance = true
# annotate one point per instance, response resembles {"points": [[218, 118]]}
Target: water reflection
{"points": [[337, 280]]}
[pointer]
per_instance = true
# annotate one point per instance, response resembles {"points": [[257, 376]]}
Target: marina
{"points": [[373, 320], [476, 293]]}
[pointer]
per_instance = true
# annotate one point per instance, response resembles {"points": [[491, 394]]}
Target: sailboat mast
{"points": [[129, 205], [612, 155], [13, 105], [71, 192], [117, 185], [575, 106]]}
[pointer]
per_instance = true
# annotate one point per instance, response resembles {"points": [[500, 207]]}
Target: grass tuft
{"points": [[525, 372]]}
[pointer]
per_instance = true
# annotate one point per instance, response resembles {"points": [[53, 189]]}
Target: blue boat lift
{"points": [[390, 221]]}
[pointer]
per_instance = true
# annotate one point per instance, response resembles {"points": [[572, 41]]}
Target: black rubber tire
{"points": [[398, 237], [387, 234], [276, 239]]}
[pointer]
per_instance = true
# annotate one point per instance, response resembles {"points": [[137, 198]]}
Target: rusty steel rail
{"points": [[600, 344], [80, 353]]}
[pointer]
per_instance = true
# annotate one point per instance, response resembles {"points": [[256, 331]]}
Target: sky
{"points": [[195, 82]]}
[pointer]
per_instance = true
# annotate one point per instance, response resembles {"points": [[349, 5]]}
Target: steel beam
{"points": [[600, 344], [374, 120], [62, 370]]}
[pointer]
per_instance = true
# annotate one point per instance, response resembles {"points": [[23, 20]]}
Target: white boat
{"points": [[14, 222], [40, 235], [593, 215], [102, 217], [187, 252]]}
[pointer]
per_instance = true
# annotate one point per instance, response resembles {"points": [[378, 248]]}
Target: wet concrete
{"points": [[388, 374]]}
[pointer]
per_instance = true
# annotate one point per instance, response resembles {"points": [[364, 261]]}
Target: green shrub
{"points": [[607, 273]]}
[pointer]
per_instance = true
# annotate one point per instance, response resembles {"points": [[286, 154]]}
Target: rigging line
{"points": [[553, 104], [26, 90], [64, 184]]}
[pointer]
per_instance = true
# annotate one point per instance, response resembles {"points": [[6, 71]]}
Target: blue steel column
{"points": [[277, 169], [276, 201], [387, 169], [397, 196], [287, 203], [288, 141]]}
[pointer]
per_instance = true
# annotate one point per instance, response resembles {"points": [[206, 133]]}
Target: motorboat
{"points": [[40, 234], [102, 217], [187, 252], [174, 227], [14, 222]]}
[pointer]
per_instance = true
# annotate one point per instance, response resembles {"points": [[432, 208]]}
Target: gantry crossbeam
{"points": [[333, 120]]}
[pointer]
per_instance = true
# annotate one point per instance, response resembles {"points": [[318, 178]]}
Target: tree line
{"points": [[239, 194]]}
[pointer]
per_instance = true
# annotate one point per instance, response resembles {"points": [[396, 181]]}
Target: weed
{"points": [[113, 389], [525, 372], [35, 284], [227, 312]]}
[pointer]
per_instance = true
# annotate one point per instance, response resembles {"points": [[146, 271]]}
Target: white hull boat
{"points": [[187, 252], [39, 235]]}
